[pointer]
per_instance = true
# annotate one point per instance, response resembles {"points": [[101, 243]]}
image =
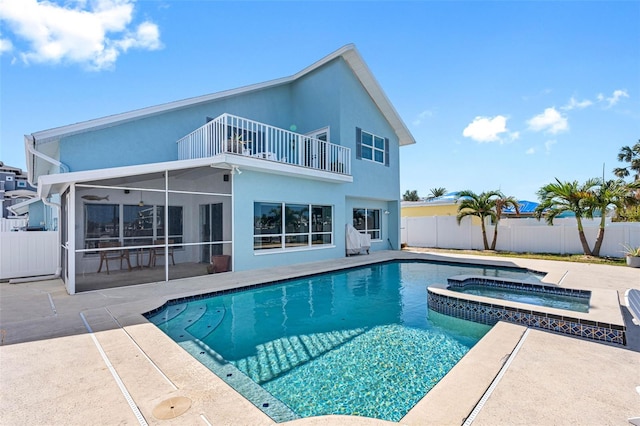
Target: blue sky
{"points": [[499, 95]]}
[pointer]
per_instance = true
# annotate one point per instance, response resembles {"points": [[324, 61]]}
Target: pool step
{"points": [[167, 314], [277, 357], [178, 319], [208, 322]]}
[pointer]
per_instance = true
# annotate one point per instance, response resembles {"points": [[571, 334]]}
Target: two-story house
{"points": [[267, 175]]}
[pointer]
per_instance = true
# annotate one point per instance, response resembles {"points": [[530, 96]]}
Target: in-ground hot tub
{"points": [[481, 307], [523, 292]]}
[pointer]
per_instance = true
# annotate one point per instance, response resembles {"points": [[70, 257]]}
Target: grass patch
{"points": [[577, 258]]}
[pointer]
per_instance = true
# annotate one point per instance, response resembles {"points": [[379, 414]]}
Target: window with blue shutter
{"points": [[371, 147]]}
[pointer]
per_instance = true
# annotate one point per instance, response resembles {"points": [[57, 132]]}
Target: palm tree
{"points": [[617, 193], [560, 197], [410, 196], [436, 192], [629, 155], [481, 206], [503, 202]]}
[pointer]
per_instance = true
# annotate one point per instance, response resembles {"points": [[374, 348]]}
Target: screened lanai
{"points": [[123, 228]]}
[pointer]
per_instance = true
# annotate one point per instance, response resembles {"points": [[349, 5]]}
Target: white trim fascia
{"points": [[47, 183], [348, 52]]}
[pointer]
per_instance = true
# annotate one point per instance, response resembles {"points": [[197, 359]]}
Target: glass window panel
{"points": [[367, 139], [367, 153], [296, 218], [373, 219], [102, 222], [321, 219], [317, 239], [379, 156], [266, 243], [267, 218], [379, 143], [359, 219], [137, 223], [296, 240]]}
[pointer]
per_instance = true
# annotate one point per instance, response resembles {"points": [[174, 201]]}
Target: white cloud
{"points": [[530, 151], [548, 144], [422, 116], [550, 121], [514, 136], [574, 103], [92, 34], [486, 129], [616, 96], [5, 45]]}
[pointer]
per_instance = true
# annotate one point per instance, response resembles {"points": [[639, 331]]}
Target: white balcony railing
{"points": [[229, 134]]}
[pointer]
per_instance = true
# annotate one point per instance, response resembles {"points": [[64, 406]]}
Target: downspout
{"points": [[29, 142], [63, 168]]}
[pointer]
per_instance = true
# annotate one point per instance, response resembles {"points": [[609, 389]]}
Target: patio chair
{"points": [[107, 255], [159, 251]]}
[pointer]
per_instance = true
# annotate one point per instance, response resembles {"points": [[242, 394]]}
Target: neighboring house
{"points": [[15, 192], [267, 174], [526, 209], [447, 206], [442, 206]]}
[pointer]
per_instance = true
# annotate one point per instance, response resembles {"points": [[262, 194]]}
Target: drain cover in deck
{"points": [[171, 408]]}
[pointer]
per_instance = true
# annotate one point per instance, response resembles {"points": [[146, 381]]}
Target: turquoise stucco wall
{"points": [[153, 139], [253, 187]]}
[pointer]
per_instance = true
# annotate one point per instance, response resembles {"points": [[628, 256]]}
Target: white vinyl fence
{"points": [[519, 235], [28, 254], [11, 224]]}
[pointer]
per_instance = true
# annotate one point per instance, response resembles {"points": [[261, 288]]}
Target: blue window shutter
{"points": [[386, 152], [358, 143]]}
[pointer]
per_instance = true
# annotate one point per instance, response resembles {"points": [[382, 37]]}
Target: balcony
{"points": [[229, 134]]}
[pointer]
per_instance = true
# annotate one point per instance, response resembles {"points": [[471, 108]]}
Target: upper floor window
{"points": [[372, 147]]}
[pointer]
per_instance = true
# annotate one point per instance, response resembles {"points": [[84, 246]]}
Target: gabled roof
{"points": [[349, 53]]}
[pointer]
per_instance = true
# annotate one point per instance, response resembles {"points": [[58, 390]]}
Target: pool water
{"points": [[355, 342], [572, 303]]}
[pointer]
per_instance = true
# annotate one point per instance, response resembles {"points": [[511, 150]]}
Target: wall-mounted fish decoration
{"points": [[95, 197]]}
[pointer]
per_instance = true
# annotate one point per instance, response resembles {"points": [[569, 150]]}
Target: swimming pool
{"points": [[356, 342]]}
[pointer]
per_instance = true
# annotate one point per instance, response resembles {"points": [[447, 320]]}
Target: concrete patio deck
{"points": [[53, 370]]}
